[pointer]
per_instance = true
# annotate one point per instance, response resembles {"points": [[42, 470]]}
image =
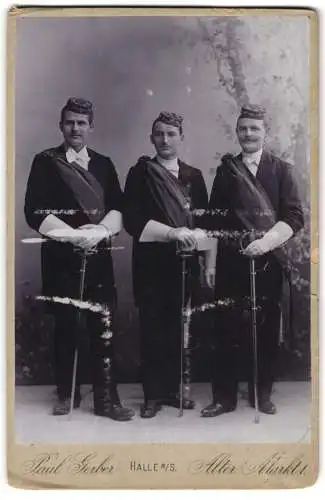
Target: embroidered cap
{"points": [[253, 111], [79, 105], [170, 119]]}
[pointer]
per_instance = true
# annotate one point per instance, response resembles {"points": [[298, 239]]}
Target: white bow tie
{"points": [[81, 158], [81, 161]]}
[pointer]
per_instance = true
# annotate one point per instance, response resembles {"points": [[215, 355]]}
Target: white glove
{"points": [[210, 276], [184, 236], [256, 248]]}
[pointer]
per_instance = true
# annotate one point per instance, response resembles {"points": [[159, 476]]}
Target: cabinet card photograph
{"points": [[162, 177]]}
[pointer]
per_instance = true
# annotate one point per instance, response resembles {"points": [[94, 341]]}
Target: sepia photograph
{"points": [[163, 228]]}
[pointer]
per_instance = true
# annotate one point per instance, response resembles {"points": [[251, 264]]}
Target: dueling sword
{"points": [[254, 335], [184, 255], [76, 349], [84, 256]]}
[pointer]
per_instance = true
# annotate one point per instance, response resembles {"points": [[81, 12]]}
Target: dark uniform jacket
{"points": [[277, 179], [47, 193], [156, 268]]}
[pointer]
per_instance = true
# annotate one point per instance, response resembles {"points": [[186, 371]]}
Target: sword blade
{"points": [[254, 335]]}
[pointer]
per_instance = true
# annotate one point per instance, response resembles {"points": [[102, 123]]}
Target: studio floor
{"points": [[35, 424]]}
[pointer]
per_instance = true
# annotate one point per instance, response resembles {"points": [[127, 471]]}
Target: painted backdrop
{"points": [[131, 68]]}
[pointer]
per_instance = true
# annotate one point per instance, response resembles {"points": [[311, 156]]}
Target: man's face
{"points": [[167, 140], [251, 134], [75, 129]]}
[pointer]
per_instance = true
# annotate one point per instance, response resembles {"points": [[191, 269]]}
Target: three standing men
{"points": [[74, 198]]}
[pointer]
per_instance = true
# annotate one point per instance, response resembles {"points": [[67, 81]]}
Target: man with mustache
{"points": [[257, 209], [160, 195], [73, 198]]}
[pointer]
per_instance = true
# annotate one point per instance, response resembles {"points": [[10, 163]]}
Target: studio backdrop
{"points": [[132, 68]]}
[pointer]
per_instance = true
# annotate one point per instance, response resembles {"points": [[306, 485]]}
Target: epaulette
{"points": [[142, 159], [48, 152], [227, 156]]}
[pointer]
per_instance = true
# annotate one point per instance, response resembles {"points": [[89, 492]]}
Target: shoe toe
{"points": [[122, 413], [211, 410], [214, 410], [268, 407], [150, 410], [61, 408]]}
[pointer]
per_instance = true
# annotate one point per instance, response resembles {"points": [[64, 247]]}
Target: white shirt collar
{"points": [[252, 157], [171, 165], [252, 161], [81, 157]]}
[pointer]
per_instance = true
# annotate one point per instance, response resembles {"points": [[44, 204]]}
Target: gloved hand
{"points": [[184, 236], [256, 248], [84, 237], [210, 276], [91, 235]]}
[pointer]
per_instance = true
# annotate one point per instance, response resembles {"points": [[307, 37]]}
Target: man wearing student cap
{"points": [[74, 199], [160, 195], [257, 209]]}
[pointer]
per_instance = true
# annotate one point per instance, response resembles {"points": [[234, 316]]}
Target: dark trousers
{"points": [[67, 334], [71, 323], [160, 325], [233, 341], [233, 349], [160, 310]]}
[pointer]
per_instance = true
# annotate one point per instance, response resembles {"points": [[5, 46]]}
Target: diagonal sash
{"points": [[88, 192], [252, 204], [168, 194]]}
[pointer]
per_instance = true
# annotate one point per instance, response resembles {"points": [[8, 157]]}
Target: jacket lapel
{"points": [[184, 179], [91, 164], [265, 168], [184, 173], [268, 178]]}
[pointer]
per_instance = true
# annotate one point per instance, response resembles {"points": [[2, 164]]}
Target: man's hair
{"points": [[170, 119], [78, 105]]}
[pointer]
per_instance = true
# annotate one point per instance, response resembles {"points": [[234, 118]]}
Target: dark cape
{"points": [[152, 193], [77, 196]]}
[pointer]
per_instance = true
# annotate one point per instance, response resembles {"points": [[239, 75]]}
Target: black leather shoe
{"points": [[115, 411], [267, 407], [216, 409], [128, 410], [62, 406], [150, 409], [188, 404]]}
